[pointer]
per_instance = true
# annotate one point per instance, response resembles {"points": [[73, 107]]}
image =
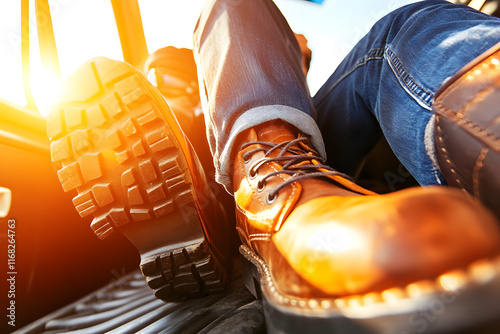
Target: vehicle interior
{"points": [[66, 279]]}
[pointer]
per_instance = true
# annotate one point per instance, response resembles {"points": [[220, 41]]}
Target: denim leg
{"points": [[250, 71], [387, 84]]}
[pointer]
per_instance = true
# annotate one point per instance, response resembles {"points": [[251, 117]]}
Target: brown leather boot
{"points": [[173, 72], [321, 246], [467, 130], [116, 141]]}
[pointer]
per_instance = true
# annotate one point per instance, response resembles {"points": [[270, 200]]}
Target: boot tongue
{"points": [[277, 133]]}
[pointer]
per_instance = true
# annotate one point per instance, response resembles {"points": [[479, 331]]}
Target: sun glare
{"points": [[45, 87], [332, 29]]}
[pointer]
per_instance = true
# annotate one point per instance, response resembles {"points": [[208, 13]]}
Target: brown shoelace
{"points": [[298, 165]]}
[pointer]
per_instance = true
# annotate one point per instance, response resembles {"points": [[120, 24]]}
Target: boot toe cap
{"points": [[350, 245]]}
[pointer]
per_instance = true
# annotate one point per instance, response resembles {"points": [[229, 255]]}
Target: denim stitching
{"points": [[374, 54], [405, 78]]}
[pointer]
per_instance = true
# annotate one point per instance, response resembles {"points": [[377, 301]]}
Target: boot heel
{"points": [[185, 272], [251, 277]]}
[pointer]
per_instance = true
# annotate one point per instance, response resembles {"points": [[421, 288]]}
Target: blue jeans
{"points": [[249, 66]]}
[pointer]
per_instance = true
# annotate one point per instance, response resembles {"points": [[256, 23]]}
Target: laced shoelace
{"points": [[298, 165]]}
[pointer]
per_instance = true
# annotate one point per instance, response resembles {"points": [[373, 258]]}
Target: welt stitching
{"points": [[439, 104], [480, 96], [451, 89], [467, 122], [473, 126], [260, 235], [445, 153], [477, 170], [259, 239]]}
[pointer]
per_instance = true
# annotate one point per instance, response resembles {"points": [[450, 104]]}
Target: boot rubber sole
{"points": [[115, 140], [453, 301]]}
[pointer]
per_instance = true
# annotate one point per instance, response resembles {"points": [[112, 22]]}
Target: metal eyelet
{"points": [[252, 173], [261, 185], [270, 199]]}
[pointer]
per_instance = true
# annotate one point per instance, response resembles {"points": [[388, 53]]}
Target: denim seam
{"points": [[407, 80], [373, 54]]}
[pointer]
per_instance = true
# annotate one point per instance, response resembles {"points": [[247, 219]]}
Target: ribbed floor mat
{"points": [[129, 306]]}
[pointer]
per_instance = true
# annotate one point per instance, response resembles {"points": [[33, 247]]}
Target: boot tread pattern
{"points": [[110, 142], [186, 272]]}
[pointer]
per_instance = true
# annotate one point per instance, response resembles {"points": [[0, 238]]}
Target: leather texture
{"points": [[467, 130], [326, 236]]}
